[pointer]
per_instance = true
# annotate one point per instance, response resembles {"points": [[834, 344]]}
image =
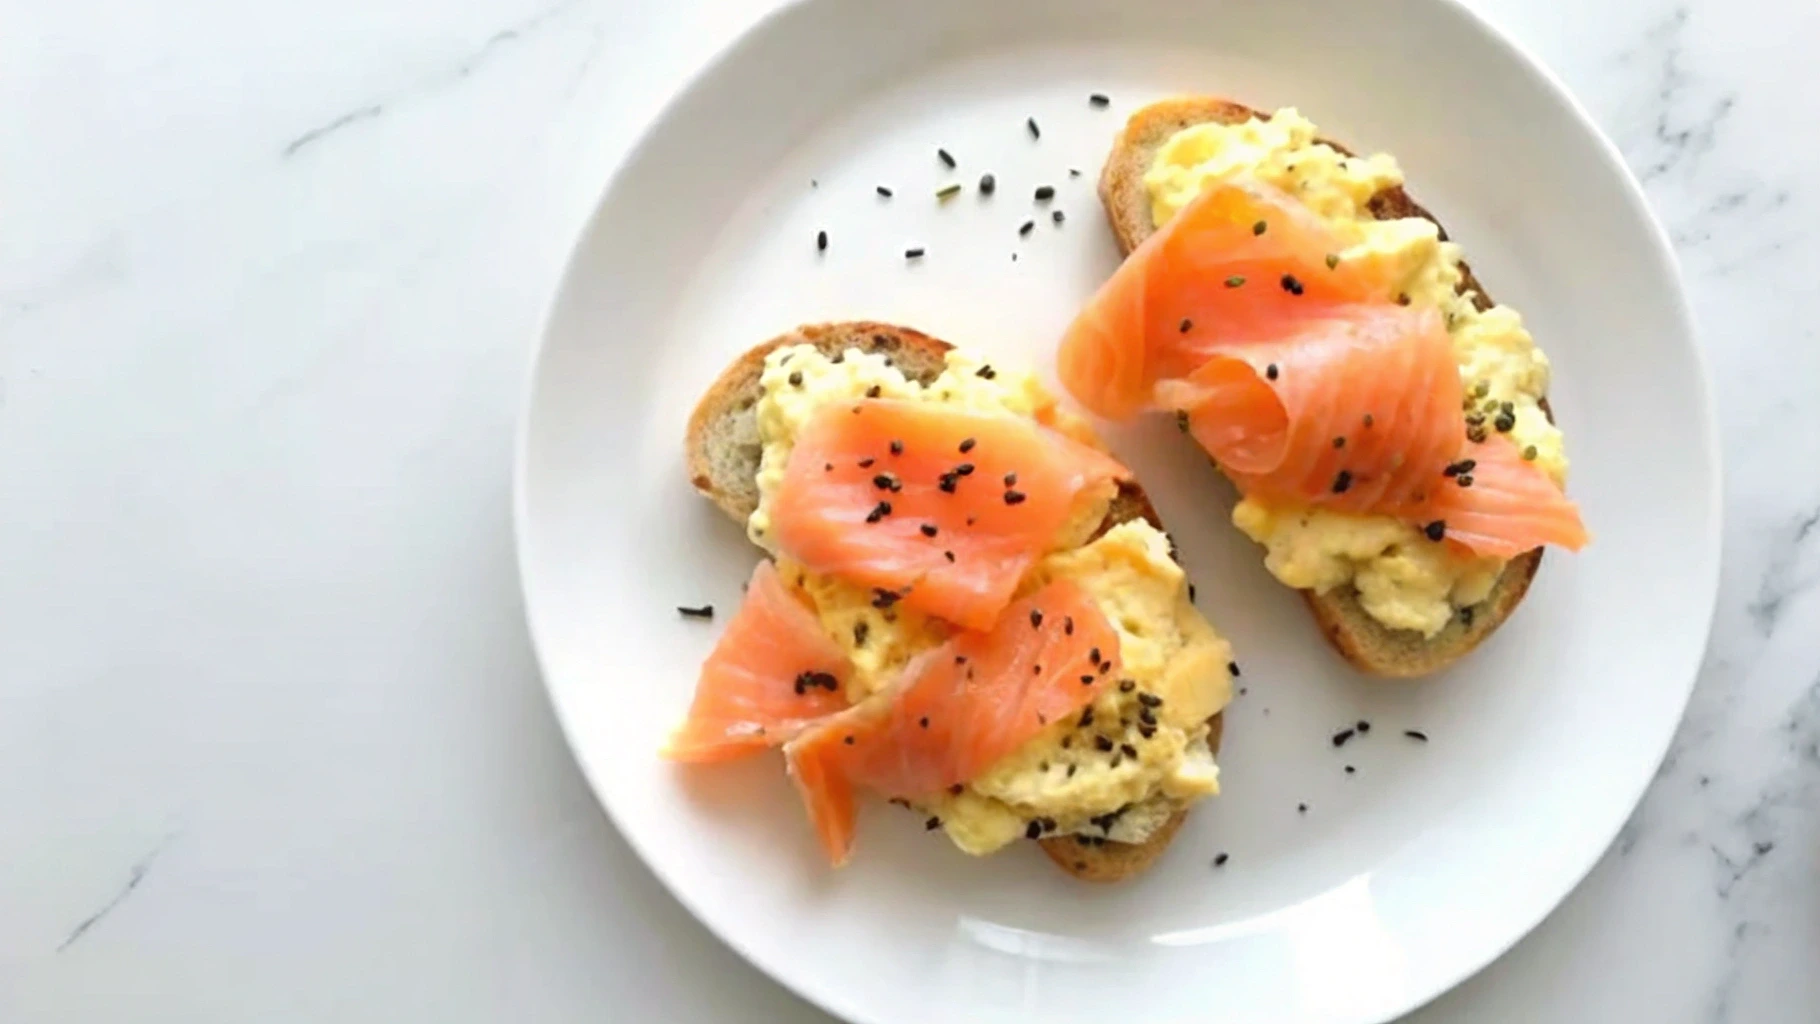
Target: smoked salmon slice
{"points": [[943, 509], [956, 710], [1301, 376], [1234, 266], [1358, 408], [773, 672], [1495, 503]]}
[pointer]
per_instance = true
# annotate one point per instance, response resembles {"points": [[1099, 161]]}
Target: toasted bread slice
{"points": [[723, 455], [1367, 643]]}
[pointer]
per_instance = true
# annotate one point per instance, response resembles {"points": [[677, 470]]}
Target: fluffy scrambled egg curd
{"points": [[1126, 763], [1401, 581]]}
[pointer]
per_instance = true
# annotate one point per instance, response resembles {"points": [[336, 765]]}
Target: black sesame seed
{"points": [[1099, 100], [1436, 530], [796, 379], [706, 611], [986, 372], [1220, 860], [945, 158], [988, 184], [1128, 750], [1505, 423], [1341, 481], [1068, 625], [1340, 738], [874, 391], [897, 447], [964, 469], [1350, 769], [967, 445], [1416, 734], [1271, 371], [932, 824], [1015, 497], [1036, 618], [1187, 325], [848, 741], [1150, 700], [1291, 285], [879, 511], [1035, 132], [1032, 830], [1363, 727], [882, 598], [1086, 679], [1044, 193], [1368, 421], [1235, 280], [928, 529], [1259, 228], [1074, 172], [883, 191], [913, 254], [1057, 216], [887, 482], [1086, 716], [861, 630], [1464, 480], [1102, 744], [949, 555], [1127, 685]]}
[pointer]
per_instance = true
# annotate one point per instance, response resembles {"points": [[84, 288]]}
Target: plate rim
{"points": [[804, 985]]}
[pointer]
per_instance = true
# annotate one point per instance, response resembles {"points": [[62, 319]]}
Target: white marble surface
{"points": [[272, 745]]}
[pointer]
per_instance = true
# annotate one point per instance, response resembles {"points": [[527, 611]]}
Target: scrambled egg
{"points": [[1402, 580], [1104, 778]]}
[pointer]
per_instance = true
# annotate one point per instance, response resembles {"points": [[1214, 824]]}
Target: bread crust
{"points": [[1366, 643], [725, 416]]}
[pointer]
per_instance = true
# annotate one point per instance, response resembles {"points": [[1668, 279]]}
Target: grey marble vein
{"points": [[136, 876], [1785, 577], [1685, 114], [461, 69], [325, 130]]}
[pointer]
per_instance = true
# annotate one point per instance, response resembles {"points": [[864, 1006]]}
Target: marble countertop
{"points": [[272, 743]]}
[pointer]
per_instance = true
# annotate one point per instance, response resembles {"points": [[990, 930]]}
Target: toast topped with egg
{"points": [[1301, 315], [972, 610]]}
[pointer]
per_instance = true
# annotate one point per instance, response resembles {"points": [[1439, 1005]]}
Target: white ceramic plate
{"points": [[1399, 880]]}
